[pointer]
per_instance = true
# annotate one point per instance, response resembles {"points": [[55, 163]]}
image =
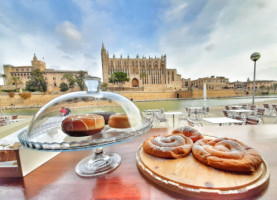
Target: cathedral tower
{"points": [[38, 64], [104, 59]]}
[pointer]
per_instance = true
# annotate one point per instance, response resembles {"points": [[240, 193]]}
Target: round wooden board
{"points": [[190, 177]]}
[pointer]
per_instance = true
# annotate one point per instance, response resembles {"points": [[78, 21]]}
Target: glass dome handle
{"points": [[92, 83]]}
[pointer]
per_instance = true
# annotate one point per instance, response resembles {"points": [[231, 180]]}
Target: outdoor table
{"points": [[151, 111], [238, 107], [57, 179], [195, 111], [173, 115], [222, 120]]}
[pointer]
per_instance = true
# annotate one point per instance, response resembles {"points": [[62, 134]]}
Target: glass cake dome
{"points": [[47, 130]]}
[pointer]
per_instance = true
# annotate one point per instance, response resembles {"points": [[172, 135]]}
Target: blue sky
{"points": [[200, 37]]}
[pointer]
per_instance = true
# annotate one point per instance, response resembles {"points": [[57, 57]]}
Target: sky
{"points": [[200, 38]]}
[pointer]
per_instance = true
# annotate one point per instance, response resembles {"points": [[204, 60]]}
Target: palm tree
{"points": [[15, 80]]}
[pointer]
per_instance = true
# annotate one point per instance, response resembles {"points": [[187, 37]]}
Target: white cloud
{"points": [[236, 30], [200, 39], [69, 31], [70, 38], [176, 12]]}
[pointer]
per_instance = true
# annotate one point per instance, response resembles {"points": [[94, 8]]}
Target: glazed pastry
{"points": [[188, 131], [227, 154], [170, 146], [83, 125], [119, 121]]}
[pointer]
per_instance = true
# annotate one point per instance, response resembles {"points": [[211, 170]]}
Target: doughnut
{"points": [[83, 125], [170, 146], [119, 121], [227, 154], [188, 131]]}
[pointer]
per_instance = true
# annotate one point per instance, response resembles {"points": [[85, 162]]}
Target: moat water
{"points": [[168, 105]]}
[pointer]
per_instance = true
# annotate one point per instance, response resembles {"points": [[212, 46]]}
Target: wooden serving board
{"points": [[190, 177]]}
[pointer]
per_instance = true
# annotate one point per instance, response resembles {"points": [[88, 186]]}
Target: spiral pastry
{"points": [[170, 146], [227, 154], [188, 131]]}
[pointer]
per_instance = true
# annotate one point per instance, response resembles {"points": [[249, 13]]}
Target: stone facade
{"points": [[259, 84], [142, 72], [186, 83], [212, 83], [52, 77]]}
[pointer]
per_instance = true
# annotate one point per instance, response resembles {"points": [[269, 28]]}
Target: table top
{"points": [[174, 113], [221, 120], [152, 110], [236, 106], [242, 110], [195, 108], [57, 179]]}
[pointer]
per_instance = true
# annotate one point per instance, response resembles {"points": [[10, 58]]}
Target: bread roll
{"points": [[119, 121]]}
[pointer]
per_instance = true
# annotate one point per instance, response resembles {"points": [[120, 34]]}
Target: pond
{"points": [[168, 105]]}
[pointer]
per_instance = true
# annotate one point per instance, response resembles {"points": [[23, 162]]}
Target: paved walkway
{"points": [[217, 112], [11, 128], [214, 112]]}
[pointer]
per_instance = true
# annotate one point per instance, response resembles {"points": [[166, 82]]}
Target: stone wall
{"points": [[210, 93], [40, 99], [180, 94], [34, 100]]}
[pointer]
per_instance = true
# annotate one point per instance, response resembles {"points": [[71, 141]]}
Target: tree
{"points": [[118, 78], [262, 87], [70, 79], [15, 80], [79, 79], [104, 86], [63, 87], [36, 82]]}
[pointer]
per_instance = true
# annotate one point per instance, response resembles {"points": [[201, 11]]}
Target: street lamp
{"points": [[255, 56]]}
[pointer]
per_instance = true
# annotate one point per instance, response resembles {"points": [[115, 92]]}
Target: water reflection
{"points": [[168, 105]]}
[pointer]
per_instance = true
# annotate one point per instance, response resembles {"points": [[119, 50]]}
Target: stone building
{"points": [[260, 84], [212, 83], [143, 72], [186, 83], [52, 77], [239, 85]]}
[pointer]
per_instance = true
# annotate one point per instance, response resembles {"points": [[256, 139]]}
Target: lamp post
{"points": [[254, 56]]}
